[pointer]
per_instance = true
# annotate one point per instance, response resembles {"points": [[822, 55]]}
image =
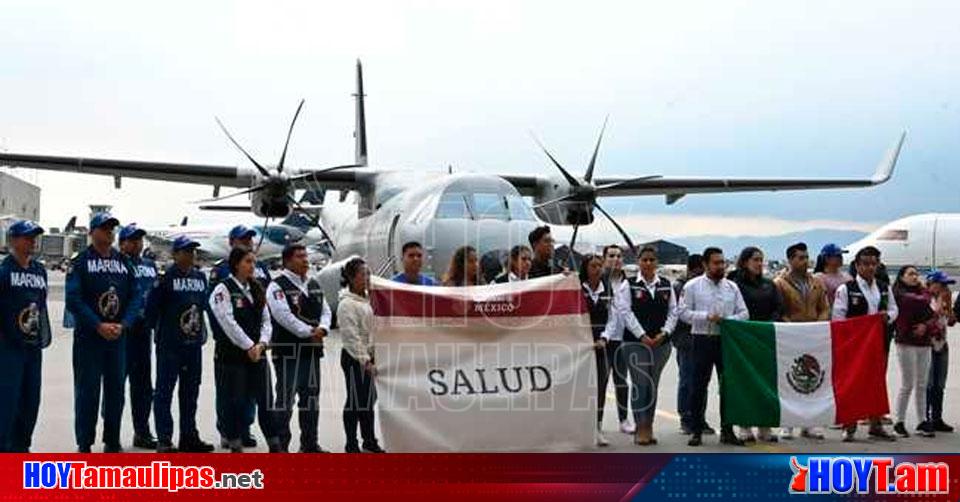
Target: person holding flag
{"points": [[865, 295]]}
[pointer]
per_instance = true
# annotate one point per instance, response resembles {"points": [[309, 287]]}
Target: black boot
{"points": [[372, 446], [248, 440], [145, 441], [193, 444], [728, 437], [164, 446]]}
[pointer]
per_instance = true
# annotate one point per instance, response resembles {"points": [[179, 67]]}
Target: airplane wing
{"points": [[676, 187], [202, 174]]}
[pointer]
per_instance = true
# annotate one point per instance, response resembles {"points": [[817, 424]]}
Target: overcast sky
{"points": [[711, 88]]}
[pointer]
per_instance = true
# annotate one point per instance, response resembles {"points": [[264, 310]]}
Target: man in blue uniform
{"points": [[240, 235], [138, 339], [104, 297], [24, 331], [175, 307]]}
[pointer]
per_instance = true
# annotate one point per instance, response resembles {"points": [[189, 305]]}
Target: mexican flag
{"points": [[803, 374]]}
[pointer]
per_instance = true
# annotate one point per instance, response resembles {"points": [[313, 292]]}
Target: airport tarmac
{"points": [[54, 432]]}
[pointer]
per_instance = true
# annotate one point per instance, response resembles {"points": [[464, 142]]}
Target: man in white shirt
{"points": [[301, 320], [865, 295], [619, 308], [707, 300]]}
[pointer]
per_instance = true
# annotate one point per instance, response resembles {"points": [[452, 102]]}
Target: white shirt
{"points": [[633, 324], [222, 308], [871, 292], [702, 297], [619, 309], [280, 309]]}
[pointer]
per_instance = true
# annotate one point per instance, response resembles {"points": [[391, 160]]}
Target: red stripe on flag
{"points": [[859, 368], [406, 303]]}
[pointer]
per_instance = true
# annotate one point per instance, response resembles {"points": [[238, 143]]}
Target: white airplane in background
{"points": [[214, 244], [925, 241]]}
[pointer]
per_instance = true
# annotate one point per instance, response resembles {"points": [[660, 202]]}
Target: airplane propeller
{"points": [[585, 191], [277, 182]]}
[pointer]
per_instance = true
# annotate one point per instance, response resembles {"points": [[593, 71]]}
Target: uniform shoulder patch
{"points": [[278, 294]]}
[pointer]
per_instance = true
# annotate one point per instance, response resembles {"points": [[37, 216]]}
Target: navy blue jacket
{"points": [[24, 320], [102, 289], [145, 270], [175, 308]]}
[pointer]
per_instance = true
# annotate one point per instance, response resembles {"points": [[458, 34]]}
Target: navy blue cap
{"points": [[131, 232], [832, 250], [939, 277], [24, 228], [242, 231], [184, 242], [103, 219]]}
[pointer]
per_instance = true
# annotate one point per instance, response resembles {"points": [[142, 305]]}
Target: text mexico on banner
{"points": [[505, 367]]}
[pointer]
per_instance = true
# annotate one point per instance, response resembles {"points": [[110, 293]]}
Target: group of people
{"points": [[636, 321], [121, 307]]}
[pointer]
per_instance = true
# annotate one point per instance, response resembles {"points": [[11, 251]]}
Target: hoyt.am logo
{"points": [[877, 475]]}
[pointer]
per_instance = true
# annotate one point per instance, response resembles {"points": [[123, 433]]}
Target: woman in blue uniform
{"points": [[24, 331], [175, 308], [240, 307]]}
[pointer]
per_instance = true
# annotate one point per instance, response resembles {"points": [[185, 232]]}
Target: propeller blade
{"points": [[260, 168], [241, 192], [554, 201], [315, 221], [569, 177], [263, 232], [593, 159], [608, 186], [283, 156], [573, 242], [617, 225]]}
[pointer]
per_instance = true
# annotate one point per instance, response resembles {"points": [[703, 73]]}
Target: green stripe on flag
{"points": [[749, 383]]}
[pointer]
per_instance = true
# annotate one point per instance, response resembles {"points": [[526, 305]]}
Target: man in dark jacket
{"points": [[104, 297], [542, 244]]}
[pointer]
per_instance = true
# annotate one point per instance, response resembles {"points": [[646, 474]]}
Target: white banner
{"points": [[506, 367]]}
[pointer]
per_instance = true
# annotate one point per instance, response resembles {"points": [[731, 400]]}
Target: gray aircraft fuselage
{"points": [[441, 211]]}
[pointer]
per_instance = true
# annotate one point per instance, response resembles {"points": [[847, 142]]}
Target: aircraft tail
{"points": [[71, 225], [360, 128], [183, 222]]}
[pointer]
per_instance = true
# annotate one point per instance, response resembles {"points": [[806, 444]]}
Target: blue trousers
{"points": [[139, 374], [243, 382], [20, 369], [298, 377], [645, 365], [177, 366], [939, 366], [706, 356], [98, 363], [222, 400]]}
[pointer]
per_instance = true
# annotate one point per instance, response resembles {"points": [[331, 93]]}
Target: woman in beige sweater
{"points": [[355, 318]]}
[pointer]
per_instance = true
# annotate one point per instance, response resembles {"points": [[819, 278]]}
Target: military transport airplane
{"points": [[378, 208]]}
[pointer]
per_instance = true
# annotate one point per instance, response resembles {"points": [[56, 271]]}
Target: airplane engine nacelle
{"points": [[263, 205], [566, 213]]}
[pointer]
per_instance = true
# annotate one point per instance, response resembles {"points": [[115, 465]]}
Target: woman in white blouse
{"points": [[239, 304], [355, 317]]}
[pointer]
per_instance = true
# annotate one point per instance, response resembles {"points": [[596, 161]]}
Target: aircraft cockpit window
{"points": [[453, 206], [519, 209], [490, 206], [893, 235]]}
